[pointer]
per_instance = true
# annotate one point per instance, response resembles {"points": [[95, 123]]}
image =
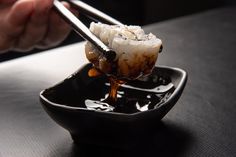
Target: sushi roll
{"points": [[136, 52]]}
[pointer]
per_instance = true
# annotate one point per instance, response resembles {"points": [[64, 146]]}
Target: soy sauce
{"points": [[112, 97]]}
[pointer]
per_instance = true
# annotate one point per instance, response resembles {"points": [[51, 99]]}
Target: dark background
{"points": [[139, 12], [143, 12]]}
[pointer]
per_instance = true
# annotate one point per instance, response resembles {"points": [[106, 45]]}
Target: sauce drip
{"points": [[114, 86]]}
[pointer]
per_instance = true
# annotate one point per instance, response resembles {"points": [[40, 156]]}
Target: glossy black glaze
{"points": [[105, 128]]}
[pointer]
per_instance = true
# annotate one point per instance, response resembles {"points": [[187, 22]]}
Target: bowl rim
{"points": [[178, 89]]}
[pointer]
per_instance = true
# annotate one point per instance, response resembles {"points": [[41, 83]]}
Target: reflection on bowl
{"points": [[65, 103]]}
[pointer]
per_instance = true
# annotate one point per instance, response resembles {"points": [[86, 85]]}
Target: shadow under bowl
{"points": [[65, 104]]}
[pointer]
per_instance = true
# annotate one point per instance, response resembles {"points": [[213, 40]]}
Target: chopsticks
{"points": [[93, 13], [81, 29]]}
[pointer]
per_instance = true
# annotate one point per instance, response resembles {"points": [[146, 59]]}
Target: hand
{"points": [[28, 24]]}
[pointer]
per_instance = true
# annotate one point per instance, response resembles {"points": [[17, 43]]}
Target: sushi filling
{"points": [[136, 52]]}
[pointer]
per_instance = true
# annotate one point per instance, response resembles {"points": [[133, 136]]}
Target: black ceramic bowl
{"points": [[64, 102]]}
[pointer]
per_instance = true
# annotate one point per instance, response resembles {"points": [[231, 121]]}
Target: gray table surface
{"points": [[201, 124]]}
